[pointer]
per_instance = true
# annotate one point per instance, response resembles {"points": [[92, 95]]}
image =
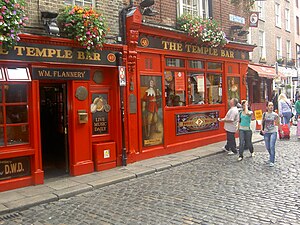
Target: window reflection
{"points": [[196, 88], [214, 88], [214, 66], [17, 135], [175, 88], [1, 136], [16, 114], [15, 93]]}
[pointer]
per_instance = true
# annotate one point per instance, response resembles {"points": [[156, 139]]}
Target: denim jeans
{"points": [[270, 140], [286, 118], [245, 141], [231, 144]]}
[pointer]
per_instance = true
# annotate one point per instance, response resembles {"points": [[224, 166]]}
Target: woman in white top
{"points": [[284, 109]]}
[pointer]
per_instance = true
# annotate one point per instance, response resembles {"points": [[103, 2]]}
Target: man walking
{"points": [[231, 125]]}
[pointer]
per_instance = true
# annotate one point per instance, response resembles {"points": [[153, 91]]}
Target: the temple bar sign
{"points": [[153, 42], [62, 54], [40, 73]]}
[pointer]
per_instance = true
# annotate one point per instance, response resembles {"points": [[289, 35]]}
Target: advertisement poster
{"points": [[233, 84], [187, 123], [179, 81], [100, 109], [200, 83], [152, 115]]}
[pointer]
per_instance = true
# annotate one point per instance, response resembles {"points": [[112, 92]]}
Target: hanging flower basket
{"points": [[84, 25], [12, 20], [206, 31]]}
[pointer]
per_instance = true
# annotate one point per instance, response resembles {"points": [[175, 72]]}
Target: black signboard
{"points": [[187, 123], [39, 73], [59, 54], [14, 167], [176, 46], [100, 109]]}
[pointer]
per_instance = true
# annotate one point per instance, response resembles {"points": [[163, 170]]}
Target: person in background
{"points": [[271, 123], [284, 109], [274, 99], [297, 108], [230, 125], [245, 133]]}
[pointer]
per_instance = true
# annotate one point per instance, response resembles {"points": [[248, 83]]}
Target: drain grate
{"points": [[10, 216]]}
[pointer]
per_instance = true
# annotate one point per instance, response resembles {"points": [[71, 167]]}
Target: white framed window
{"points": [[287, 20], [288, 50], [194, 7], [262, 44], [85, 3], [277, 15], [278, 48], [261, 9]]}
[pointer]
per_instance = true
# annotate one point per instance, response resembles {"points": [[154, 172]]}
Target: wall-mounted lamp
{"points": [[50, 23], [146, 8]]}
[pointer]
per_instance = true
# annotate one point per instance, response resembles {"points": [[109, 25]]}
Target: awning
{"points": [[264, 71]]}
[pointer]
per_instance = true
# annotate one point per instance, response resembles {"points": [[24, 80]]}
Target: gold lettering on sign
{"points": [[83, 56], [3, 52], [173, 46]]}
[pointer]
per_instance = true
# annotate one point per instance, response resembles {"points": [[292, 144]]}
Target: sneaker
{"points": [[231, 153], [224, 149], [240, 158], [252, 154], [271, 164]]}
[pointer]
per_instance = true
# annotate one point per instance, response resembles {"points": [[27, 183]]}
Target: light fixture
{"points": [[50, 23], [146, 8]]}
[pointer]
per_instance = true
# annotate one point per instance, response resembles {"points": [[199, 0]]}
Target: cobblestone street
{"points": [[213, 190]]}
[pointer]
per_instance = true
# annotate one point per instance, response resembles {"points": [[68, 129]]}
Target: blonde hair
{"points": [[283, 97]]}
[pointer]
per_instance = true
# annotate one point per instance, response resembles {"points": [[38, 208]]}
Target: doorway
{"points": [[54, 129]]}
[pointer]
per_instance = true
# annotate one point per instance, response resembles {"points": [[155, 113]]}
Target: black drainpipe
{"points": [[123, 21]]}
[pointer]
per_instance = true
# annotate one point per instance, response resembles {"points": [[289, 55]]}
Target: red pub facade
{"points": [[61, 109]]}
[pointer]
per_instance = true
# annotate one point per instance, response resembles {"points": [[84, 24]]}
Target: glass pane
{"points": [[214, 66], [16, 114], [15, 93], [175, 88], [174, 62], [17, 135], [214, 88], [17, 74], [233, 84], [1, 115], [1, 100], [68, 2], [197, 64], [151, 107], [196, 88], [1, 136]]}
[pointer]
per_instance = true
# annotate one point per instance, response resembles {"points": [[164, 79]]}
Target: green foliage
{"points": [[84, 25], [12, 20], [206, 30], [247, 5]]}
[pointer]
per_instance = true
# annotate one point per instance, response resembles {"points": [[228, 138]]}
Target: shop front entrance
{"points": [[54, 129]]}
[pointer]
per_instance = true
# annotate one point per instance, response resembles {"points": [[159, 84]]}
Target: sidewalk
{"points": [[60, 188]]}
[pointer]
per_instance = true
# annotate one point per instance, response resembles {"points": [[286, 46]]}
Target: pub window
{"points": [[196, 64], [174, 62], [214, 88], [14, 114], [175, 88], [196, 88], [86, 3], [17, 74], [214, 66]]}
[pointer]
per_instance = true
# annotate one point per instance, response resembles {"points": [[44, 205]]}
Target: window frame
{"points": [[288, 50], [278, 47], [287, 19], [74, 3], [277, 15], [262, 45], [203, 8], [261, 10]]}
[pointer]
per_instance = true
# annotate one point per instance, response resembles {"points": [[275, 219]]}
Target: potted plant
{"points": [[280, 61], [262, 60], [84, 25], [288, 86], [290, 62], [205, 30], [12, 20]]}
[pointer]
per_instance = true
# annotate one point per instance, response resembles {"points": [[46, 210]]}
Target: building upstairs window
{"points": [[288, 51], [261, 9], [277, 15], [278, 48], [194, 7], [262, 45], [85, 3], [287, 20]]}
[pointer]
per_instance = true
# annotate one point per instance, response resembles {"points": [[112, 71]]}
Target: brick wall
{"points": [[110, 9]]}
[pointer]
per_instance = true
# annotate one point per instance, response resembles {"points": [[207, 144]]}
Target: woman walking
{"points": [[245, 133], [284, 109], [271, 123]]}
